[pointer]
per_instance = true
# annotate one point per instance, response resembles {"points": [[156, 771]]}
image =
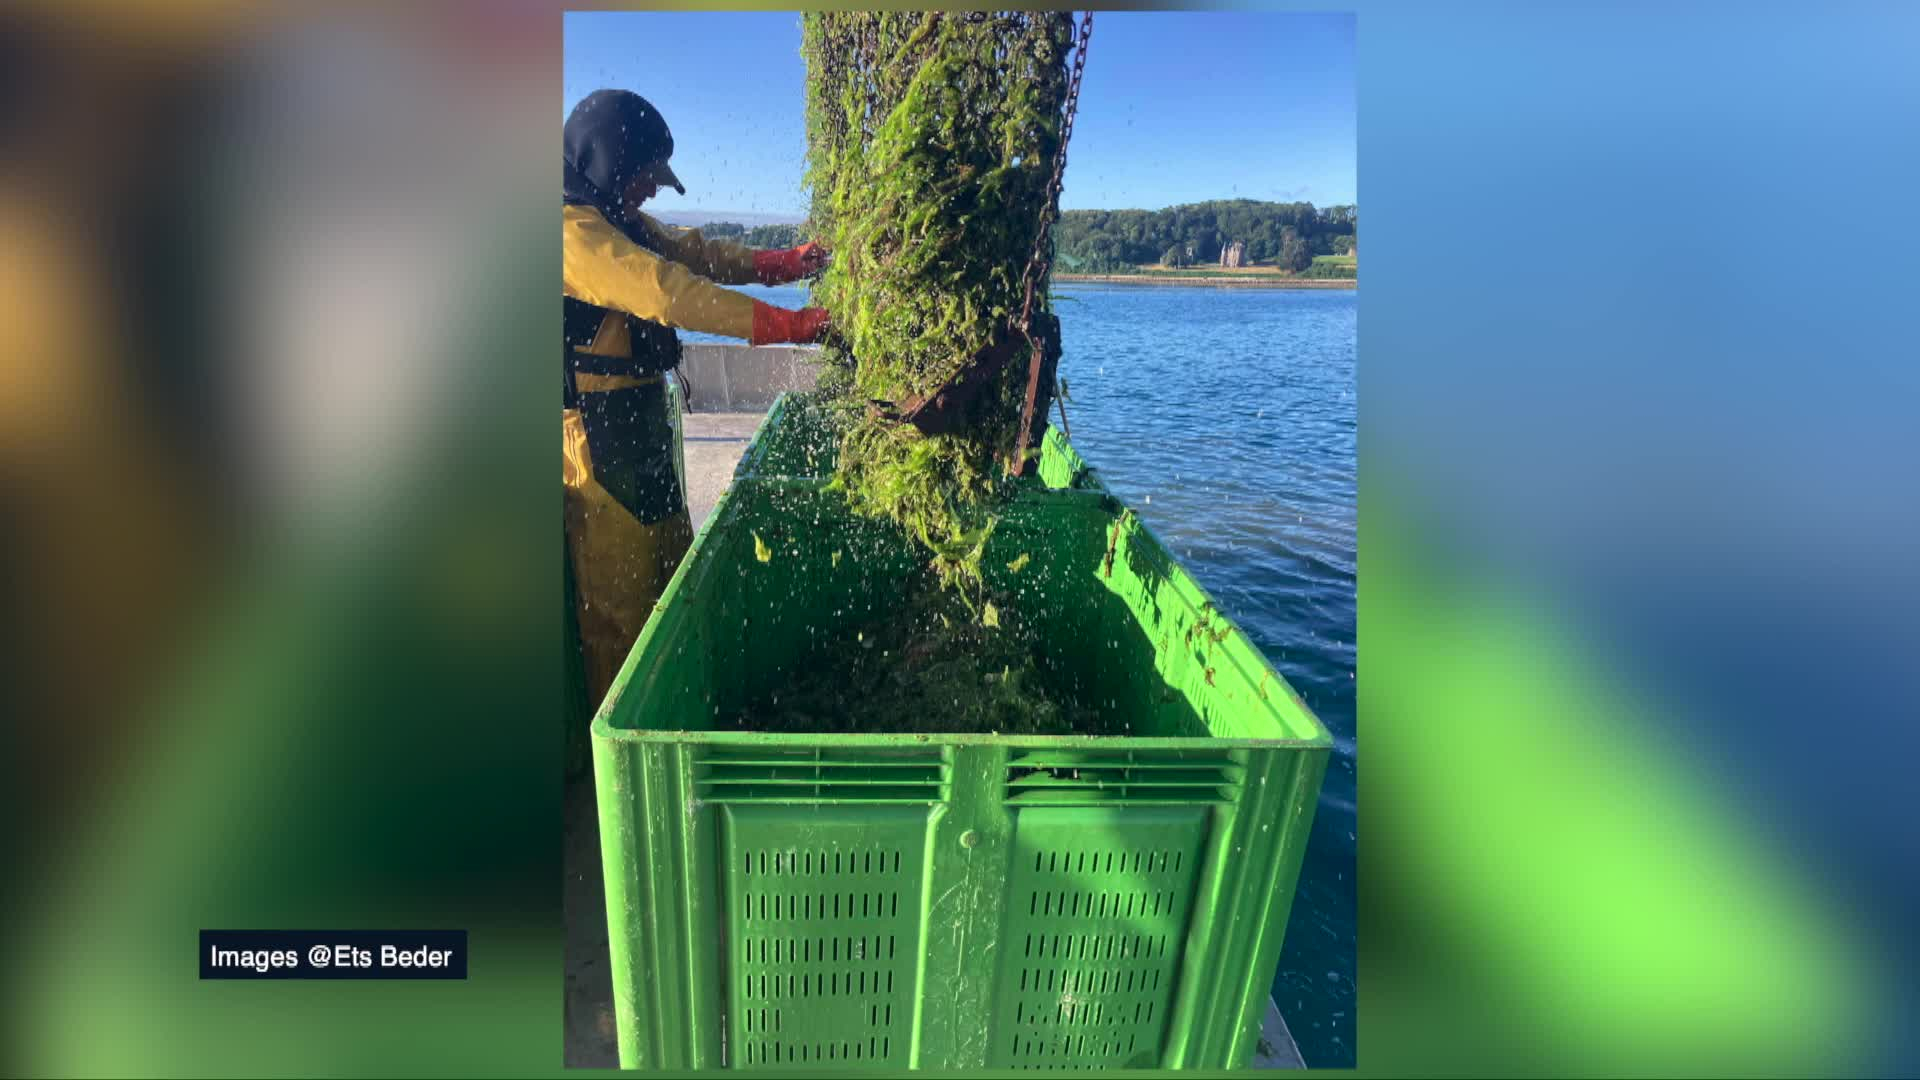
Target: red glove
{"points": [[777, 326], [780, 267]]}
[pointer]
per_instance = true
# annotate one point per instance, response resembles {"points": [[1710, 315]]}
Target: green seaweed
{"points": [[927, 667], [931, 142]]}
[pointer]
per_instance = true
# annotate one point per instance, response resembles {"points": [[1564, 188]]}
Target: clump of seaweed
{"points": [[932, 139], [935, 488], [928, 665]]}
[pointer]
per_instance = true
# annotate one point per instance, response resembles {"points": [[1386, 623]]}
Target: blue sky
{"points": [[1176, 106]]}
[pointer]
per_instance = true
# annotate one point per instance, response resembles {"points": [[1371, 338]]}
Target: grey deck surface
{"points": [[1277, 1049], [714, 443]]}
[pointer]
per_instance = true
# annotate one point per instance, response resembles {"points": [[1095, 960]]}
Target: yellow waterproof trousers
{"points": [[621, 563]]}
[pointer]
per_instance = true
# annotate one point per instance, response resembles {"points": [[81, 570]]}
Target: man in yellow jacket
{"points": [[628, 282]]}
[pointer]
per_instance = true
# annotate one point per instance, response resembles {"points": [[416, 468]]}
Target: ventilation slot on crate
{"points": [[1095, 931], [822, 776], [1133, 777], [826, 939]]}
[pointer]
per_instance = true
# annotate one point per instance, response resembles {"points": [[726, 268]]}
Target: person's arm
{"points": [[724, 262], [602, 267], [737, 264]]}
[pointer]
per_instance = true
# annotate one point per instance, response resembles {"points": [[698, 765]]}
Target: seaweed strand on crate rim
{"points": [[933, 141]]}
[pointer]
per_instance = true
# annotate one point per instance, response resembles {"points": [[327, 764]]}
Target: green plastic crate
{"points": [[968, 901]]}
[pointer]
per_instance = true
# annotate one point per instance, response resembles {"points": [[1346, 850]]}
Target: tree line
{"points": [[759, 236], [1286, 235]]}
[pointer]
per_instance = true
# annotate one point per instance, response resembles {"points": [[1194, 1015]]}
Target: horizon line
{"points": [[800, 216]]}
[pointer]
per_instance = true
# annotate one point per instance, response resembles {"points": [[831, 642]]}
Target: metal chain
{"points": [[1048, 207]]}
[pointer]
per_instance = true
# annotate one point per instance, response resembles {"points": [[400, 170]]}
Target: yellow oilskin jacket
{"points": [[626, 517], [678, 287]]}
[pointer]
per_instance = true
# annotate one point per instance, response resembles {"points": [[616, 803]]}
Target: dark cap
{"points": [[613, 136]]}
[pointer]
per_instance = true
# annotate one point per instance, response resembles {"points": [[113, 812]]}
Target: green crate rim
{"points": [[1095, 490]]}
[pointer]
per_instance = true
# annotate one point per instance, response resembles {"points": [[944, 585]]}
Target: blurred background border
{"points": [[1638, 533]]}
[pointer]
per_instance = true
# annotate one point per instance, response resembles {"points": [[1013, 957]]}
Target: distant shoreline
{"points": [[1212, 280]]}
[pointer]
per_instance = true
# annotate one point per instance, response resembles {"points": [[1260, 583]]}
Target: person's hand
{"points": [[790, 264], [780, 326], [810, 324], [812, 257]]}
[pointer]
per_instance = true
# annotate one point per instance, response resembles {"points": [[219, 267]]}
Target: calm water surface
{"points": [[1227, 418]]}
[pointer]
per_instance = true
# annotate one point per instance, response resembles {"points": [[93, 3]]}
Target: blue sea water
{"points": [[1228, 419]]}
